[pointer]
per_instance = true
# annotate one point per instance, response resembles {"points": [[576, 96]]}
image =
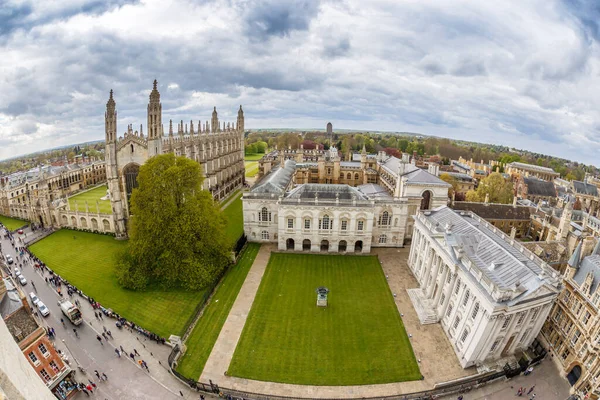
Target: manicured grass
{"points": [[253, 157], [87, 261], [91, 196], [251, 168], [235, 219], [12, 223], [205, 333], [358, 339]]}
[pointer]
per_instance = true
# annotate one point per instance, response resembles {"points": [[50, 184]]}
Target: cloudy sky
{"points": [[522, 73]]}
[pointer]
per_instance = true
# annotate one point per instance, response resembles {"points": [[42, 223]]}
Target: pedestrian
{"points": [[89, 388], [96, 315], [99, 339], [100, 314], [118, 352], [104, 376], [84, 390], [532, 397], [92, 383], [136, 353], [62, 321], [122, 349], [531, 390], [104, 328], [104, 336], [201, 397], [52, 330], [97, 373], [460, 397], [75, 332], [109, 334], [132, 356]]}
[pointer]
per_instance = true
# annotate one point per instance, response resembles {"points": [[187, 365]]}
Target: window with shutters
{"points": [[456, 322], [457, 289], [534, 315], [475, 311], [521, 318], [464, 335], [450, 306], [506, 322], [466, 298], [495, 345]]}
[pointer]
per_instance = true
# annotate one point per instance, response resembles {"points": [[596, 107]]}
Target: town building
{"points": [[464, 183], [512, 219], [33, 342], [572, 331], [328, 205], [518, 169], [536, 190], [218, 148], [490, 294]]}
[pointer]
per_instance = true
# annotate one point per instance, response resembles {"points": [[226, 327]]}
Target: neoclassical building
{"points": [[572, 330], [342, 213], [490, 294], [219, 148]]}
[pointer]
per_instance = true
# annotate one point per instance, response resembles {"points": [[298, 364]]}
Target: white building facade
{"points": [[490, 294], [328, 217]]}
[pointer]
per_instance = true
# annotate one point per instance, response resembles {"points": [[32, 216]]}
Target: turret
{"points": [[214, 123], [155, 130], [240, 120], [110, 120]]}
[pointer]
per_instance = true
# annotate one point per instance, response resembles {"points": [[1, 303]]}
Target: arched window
{"points": [[264, 215], [382, 239], [384, 219], [264, 235], [132, 147], [349, 176], [325, 223], [464, 335], [356, 176]]}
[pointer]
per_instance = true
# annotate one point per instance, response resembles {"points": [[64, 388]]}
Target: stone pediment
{"points": [[542, 291], [132, 139]]}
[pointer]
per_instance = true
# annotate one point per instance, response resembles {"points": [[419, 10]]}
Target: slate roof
{"points": [[551, 252], [498, 260], [374, 191], [459, 176], [531, 167], [21, 324], [585, 188], [494, 211], [11, 301], [356, 156], [419, 176], [589, 265], [350, 164], [326, 192], [277, 180], [538, 187]]}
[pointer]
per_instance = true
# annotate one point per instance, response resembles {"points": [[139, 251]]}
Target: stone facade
{"points": [[518, 169], [218, 148], [572, 331], [328, 205], [490, 294]]}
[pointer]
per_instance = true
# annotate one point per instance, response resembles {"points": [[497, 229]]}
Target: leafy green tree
{"points": [[261, 147], [499, 190], [452, 181], [176, 232]]}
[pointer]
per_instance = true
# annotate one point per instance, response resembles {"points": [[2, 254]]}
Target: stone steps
{"points": [[423, 306]]}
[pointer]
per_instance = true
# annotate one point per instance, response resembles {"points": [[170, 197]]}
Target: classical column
{"points": [[442, 283], [436, 266], [447, 295]]}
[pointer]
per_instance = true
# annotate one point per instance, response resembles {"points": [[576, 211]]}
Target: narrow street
{"points": [[126, 379]]}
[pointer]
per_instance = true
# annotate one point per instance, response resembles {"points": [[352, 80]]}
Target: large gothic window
{"points": [[130, 172], [325, 223], [385, 219], [264, 215]]}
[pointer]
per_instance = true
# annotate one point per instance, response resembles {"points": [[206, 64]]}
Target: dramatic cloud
{"points": [[518, 73]]}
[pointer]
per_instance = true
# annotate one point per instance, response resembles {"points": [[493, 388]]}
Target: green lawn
{"points": [[12, 223], [204, 335], [235, 219], [87, 261], [253, 157], [251, 168], [91, 196], [358, 339]]}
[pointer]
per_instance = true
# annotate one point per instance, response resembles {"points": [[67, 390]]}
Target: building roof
{"points": [[531, 167], [374, 191], [494, 210], [11, 301], [356, 156], [21, 324], [575, 257], [459, 176], [585, 188], [589, 265], [277, 180], [538, 187], [485, 252], [554, 252], [419, 176], [324, 192], [352, 164]]}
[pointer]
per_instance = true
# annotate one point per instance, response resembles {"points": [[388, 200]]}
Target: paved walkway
{"points": [[222, 352], [549, 385], [439, 362]]}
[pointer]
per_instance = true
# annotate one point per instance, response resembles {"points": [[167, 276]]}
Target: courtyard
{"points": [[233, 213], [358, 339], [87, 261], [91, 196], [12, 223]]}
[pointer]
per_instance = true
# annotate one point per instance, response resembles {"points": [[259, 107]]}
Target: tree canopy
{"points": [[499, 190], [176, 231]]}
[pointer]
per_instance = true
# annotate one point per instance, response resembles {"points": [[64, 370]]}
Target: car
{"points": [[9, 259], [43, 309], [22, 280], [20, 231], [17, 272], [34, 298]]}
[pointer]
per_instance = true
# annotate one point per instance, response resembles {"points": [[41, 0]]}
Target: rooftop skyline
{"points": [[521, 75]]}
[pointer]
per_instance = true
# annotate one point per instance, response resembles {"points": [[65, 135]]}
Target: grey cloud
{"points": [[469, 67], [279, 18], [338, 48]]}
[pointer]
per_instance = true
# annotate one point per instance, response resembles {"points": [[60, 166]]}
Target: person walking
{"points": [[531, 390], [104, 376], [104, 336], [92, 383], [97, 373], [132, 356], [62, 321], [99, 339], [136, 353], [75, 332], [118, 352], [109, 334], [103, 327], [89, 388]]}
